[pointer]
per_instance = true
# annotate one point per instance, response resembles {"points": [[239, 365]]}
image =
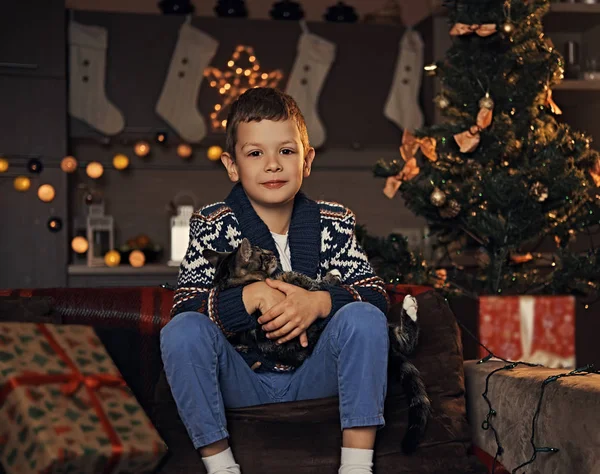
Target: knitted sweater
{"points": [[321, 238]]}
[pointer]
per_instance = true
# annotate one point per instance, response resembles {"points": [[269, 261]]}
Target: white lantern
{"points": [[100, 235], [180, 234]]}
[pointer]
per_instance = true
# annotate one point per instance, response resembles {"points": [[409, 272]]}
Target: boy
{"points": [[268, 156]]}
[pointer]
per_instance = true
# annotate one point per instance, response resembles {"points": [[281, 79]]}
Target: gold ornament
{"points": [[508, 28], [68, 164], [442, 101], [185, 151], [94, 170], [112, 258], [80, 244], [438, 197], [120, 161], [46, 193], [141, 148], [236, 80], [3, 165], [137, 258], [214, 153], [451, 210], [486, 102], [22, 183]]}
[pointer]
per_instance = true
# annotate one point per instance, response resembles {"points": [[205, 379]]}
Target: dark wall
{"points": [[33, 103]]}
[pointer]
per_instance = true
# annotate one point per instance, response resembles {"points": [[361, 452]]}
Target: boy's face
{"points": [[269, 161]]}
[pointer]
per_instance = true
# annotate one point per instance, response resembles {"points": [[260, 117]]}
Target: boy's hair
{"points": [[263, 103]]}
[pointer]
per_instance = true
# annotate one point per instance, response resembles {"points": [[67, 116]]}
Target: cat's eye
{"points": [[254, 154]]}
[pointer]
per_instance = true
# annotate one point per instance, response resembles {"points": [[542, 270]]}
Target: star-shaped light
{"points": [[242, 73]]}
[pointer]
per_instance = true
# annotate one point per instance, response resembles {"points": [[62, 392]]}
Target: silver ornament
{"points": [[486, 102], [438, 197], [508, 28], [442, 101]]}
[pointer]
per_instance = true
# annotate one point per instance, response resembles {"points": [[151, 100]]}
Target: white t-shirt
{"points": [[283, 247]]}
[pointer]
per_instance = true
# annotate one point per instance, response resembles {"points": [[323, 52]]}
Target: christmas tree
{"points": [[501, 176]]}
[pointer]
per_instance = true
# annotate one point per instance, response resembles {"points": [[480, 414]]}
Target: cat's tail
{"points": [[419, 406]]}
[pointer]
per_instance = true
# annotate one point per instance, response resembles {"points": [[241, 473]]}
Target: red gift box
{"points": [[538, 329]]}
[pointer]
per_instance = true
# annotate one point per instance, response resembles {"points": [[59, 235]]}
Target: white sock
{"points": [[402, 105], [178, 100], [356, 461], [222, 463], [314, 58], [87, 76]]}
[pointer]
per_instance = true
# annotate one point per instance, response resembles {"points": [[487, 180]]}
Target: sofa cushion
{"points": [[304, 437]]}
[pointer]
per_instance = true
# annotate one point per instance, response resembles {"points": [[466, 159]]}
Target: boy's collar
{"points": [[304, 232]]}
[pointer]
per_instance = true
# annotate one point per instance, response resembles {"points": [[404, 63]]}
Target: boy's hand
{"points": [[260, 296], [291, 317]]}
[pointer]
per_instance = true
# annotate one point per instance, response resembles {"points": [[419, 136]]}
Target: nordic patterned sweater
{"points": [[321, 238]]}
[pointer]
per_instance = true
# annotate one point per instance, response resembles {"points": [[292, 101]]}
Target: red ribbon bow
{"points": [[486, 29], [469, 139], [411, 144], [408, 149]]}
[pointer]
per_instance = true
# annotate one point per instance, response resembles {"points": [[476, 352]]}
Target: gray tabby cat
{"points": [[249, 264]]}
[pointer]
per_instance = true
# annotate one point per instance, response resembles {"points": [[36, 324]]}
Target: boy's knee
{"points": [[186, 329], [362, 317]]}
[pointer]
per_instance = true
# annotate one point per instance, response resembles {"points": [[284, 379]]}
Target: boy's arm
{"points": [[359, 282], [195, 290]]}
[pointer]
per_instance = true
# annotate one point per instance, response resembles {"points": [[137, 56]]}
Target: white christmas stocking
{"points": [[87, 96], [178, 100], [402, 105], [314, 58]]}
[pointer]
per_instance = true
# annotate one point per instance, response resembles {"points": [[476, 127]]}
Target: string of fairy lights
{"points": [[487, 423], [93, 169]]}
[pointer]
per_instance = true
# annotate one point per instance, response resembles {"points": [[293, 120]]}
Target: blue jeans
{"points": [[207, 375]]}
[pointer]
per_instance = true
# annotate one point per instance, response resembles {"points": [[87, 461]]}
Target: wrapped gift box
{"points": [[536, 329], [64, 407]]}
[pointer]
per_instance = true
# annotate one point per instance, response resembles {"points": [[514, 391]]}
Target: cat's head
{"points": [[246, 264]]}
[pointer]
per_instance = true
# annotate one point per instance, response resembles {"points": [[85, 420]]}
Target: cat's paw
{"points": [[333, 277], [410, 306]]}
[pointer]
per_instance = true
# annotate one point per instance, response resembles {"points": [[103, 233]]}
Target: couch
{"points": [[304, 437]]}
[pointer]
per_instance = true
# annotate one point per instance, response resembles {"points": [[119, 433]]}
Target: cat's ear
{"points": [[214, 257], [245, 251]]}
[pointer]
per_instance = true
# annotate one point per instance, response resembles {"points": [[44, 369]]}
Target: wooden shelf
{"points": [[581, 8], [578, 85], [150, 269], [571, 17]]}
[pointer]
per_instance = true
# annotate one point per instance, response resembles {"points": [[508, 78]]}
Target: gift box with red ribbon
{"points": [[535, 329], [64, 406]]}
